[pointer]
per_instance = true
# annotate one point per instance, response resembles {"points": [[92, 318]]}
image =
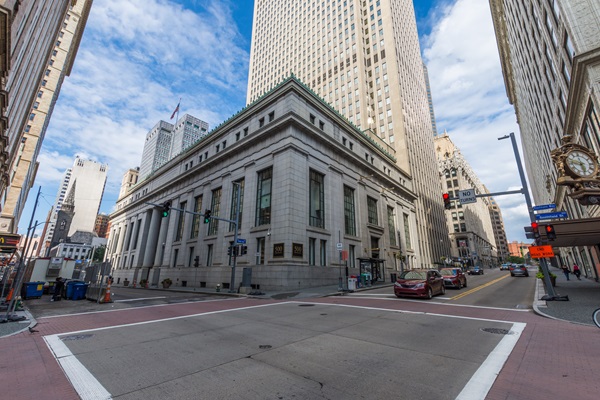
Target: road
{"points": [[367, 345]]}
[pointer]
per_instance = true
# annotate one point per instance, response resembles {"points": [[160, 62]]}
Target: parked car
{"points": [[476, 270], [454, 277], [504, 267], [419, 283], [519, 270]]}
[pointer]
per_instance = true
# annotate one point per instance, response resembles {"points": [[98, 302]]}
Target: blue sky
{"points": [[138, 57]]}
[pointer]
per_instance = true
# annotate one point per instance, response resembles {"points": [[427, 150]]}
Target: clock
{"points": [[581, 164]]}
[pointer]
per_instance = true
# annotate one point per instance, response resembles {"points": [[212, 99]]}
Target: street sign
{"points": [[544, 207], [467, 196], [339, 246], [554, 215], [241, 241], [541, 251]]}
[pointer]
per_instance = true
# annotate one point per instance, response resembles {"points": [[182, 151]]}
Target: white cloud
{"points": [[136, 59], [470, 100]]}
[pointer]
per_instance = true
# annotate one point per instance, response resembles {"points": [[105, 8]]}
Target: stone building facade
{"points": [[317, 195]]}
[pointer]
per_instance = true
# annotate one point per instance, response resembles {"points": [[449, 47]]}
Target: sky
{"points": [[138, 58]]}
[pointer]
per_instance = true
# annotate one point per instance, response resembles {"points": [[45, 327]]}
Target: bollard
{"points": [[218, 287]]}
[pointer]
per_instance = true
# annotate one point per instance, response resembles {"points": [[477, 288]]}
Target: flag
{"points": [[176, 110]]}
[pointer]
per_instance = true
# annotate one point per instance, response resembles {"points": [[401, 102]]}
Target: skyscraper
{"points": [[165, 141], [84, 185], [38, 44], [363, 58]]}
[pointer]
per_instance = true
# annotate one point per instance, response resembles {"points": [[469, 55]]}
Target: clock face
{"points": [[581, 164]]}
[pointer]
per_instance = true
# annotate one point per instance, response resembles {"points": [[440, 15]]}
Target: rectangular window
{"points": [[196, 219], [407, 232], [263, 197], [317, 199], [209, 255], [391, 226], [312, 244], [175, 257], [352, 256], [215, 207], [261, 122], [349, 212], [237, 187], [372, 211], [323, 253], [180, 222], [271, 116]]}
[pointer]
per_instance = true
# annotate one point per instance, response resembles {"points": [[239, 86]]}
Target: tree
{"points": [[515, 260], [99, 254]]}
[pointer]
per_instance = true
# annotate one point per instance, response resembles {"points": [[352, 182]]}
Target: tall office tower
{"points": [[157, 148], [101, 227], [130, 178], [186, 132], [430, 101], [84, 182], [363, 58], [549, 52], [499, 231], [38, 44], [471, 226]]}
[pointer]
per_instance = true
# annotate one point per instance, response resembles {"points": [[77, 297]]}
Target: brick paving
{"points": [[553, 359]]}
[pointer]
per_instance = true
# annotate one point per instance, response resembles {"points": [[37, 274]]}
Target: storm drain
{"points": [[76, 337], [498, 331], [306, 305], [264, 346]]}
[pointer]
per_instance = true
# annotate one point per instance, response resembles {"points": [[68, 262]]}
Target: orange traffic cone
{"points": [[107, 298], [10, 294]]}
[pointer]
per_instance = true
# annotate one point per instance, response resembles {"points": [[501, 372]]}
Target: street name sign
{"points": [[554, 215], [339, 246], [241, 241], [467, 196], [541, 251], [544, 207]]}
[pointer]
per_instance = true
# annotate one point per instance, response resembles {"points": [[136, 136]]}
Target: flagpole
{"points": [[178, 104]]}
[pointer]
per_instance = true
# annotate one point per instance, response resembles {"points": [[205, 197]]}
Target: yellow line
{"points": [[468, 292]]}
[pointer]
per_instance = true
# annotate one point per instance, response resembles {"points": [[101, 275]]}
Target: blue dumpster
{"points": [[69, 288], [31, 290], [79, 290]]}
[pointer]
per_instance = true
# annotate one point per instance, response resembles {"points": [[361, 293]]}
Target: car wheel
{"points": [[465, 285], [443, 291], [398, 296], [512, 274], [429, 293], [459, 285]]}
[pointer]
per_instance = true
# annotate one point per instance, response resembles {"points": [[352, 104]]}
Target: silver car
{"points": [[519, 270]]}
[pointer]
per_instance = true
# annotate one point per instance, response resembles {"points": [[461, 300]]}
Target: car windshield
{"points": [[448, 272], [421, 275]]}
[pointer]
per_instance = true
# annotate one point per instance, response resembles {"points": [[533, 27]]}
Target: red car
{"points": [[454, 277], [419, 283]]}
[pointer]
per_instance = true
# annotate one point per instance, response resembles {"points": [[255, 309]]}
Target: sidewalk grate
{"points": [[77, 337], [498, 331]]}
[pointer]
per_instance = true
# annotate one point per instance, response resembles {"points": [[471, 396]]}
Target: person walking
{"points": [[565, 271], [58, 288], [576, 271]]}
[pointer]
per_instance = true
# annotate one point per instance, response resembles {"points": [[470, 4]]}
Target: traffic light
{"points": [[196, 261], [229, 250], [206, 216], [550, 232], [166, 208], [244, 250], [446, 197], [534, 227]]}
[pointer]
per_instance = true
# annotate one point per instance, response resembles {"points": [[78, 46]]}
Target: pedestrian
{"points": [[565, 271], [58, 288], [576, 271]]}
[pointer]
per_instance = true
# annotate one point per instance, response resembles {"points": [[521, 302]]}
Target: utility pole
{"points": [[550, 293]]}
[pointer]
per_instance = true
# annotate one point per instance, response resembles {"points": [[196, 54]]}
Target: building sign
{"points": [[278, 250], [9, 242], [541, 251], [297, 250]]}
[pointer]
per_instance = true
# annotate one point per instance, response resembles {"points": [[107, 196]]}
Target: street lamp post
{"points": [[550, 293]]}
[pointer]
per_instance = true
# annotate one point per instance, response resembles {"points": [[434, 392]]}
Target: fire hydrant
{"points": [[218, 287]]}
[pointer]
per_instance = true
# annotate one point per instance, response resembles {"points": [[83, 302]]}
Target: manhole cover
{"points": [[306, 305], [265, 346], [77, 337], [498, 331]]}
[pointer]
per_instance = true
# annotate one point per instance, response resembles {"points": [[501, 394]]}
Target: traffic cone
{"points": [[10, 295], [107, 298]]}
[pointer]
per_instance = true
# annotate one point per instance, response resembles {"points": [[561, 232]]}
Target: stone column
{"points": [[150, 250]]}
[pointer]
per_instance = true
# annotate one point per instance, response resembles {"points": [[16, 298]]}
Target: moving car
{"points": [[504, 267], [476, 270], [454, 277], [419, 283], [519, 270]]}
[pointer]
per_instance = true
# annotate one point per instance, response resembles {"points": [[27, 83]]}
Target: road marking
{"points": [[140, 299], [482, 380], [468, 292]]}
